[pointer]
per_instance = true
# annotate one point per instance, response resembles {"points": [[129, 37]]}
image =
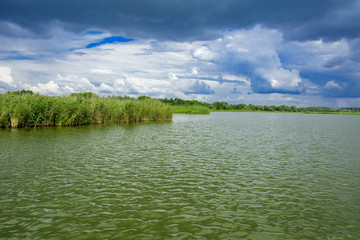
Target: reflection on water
{"points": [[217, 176]]}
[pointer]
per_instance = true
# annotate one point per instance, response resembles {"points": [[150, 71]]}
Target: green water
{"points": [[217, 176]]}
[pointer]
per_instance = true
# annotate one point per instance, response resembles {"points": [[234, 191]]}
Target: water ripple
{"points": [[218, 176]]}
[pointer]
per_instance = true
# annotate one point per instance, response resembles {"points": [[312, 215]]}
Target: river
{"points": [[217, 176]]}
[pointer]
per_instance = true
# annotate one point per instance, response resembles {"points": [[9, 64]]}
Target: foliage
{"points": [[22, 92], [191, 109], [350, 109], [184, 106], [25, 109], [83, 95]]}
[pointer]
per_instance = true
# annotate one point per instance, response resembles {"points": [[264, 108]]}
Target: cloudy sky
{"points": [[303, 53]]}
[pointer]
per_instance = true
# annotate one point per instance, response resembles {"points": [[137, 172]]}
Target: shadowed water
{"points": [[217, 176]]}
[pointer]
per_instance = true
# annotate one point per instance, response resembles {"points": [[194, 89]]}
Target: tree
{"points": [[143, 97], [221, 105]]}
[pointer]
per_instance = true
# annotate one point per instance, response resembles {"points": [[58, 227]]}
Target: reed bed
{"points": [[191, 109], [25, 109]]}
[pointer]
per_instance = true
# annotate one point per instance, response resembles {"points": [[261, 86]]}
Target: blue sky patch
{"points": [[112, 39], [93, 32]]}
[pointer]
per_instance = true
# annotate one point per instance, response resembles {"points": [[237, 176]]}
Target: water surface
{"points": [[217, 176]]}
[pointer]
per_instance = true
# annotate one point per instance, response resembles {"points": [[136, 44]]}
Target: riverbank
{"points": [[197, 109], [304, 112], [192, 106], [26, 109]]}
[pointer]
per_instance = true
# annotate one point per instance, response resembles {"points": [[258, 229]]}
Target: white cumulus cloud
{"points": [[101, 71], [240, 65], [50, 88], [332, 85], [5, 75]]}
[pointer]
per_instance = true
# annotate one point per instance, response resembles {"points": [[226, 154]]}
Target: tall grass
{"points": [[190, 109], [25, 109]]}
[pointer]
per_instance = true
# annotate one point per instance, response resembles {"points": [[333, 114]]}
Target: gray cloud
{"points": [[181, 20], [199, 87], [218, 79]]}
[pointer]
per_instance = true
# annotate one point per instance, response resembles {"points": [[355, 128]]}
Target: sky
{"points": [[268, 52]]}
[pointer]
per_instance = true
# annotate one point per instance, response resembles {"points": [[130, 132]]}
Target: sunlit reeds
{"points": [[25, 109]]}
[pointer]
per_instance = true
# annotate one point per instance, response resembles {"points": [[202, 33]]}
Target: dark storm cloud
{"points": [[188, 19]]}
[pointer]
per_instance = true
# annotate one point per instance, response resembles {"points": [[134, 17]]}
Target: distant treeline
{"points": [[224, 106], [349, 109], [26, 109]]}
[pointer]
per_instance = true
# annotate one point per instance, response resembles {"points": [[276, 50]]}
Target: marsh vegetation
{"points": [[26, 109]]}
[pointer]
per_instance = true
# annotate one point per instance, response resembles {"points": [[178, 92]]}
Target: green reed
{"points": [[191, 109], [25, 109]]}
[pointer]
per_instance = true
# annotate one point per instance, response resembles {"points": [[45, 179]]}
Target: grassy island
{"points": [[26, 109]]}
